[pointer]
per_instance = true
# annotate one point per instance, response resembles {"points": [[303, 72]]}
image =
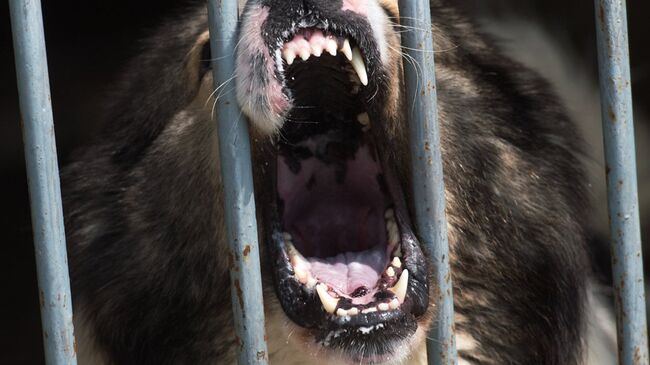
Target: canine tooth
{"points": [[353, 311], [347, 50], [359, 66], [341, 312], [402, 284], [396, 262], [330, 46], [329, 303], [383, 307], [394, 303], [390, 271], [363, 119], [289, 55], [369, 310]]}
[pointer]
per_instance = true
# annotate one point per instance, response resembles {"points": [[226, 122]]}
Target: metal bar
{"points": [[43, 179], [428, 184], [618, 130], [236, 170]]}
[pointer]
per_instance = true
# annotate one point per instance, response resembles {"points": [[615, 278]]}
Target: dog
{"points": [[345, 279]]}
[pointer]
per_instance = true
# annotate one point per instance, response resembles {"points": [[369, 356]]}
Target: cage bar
{"points": [[43, 180], [239, 199], [428, 184], [618, 131]]}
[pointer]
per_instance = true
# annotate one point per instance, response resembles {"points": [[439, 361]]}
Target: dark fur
{"points": [[145, 223]]}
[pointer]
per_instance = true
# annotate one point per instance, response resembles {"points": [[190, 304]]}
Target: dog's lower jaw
{"points": [[290, 345]]}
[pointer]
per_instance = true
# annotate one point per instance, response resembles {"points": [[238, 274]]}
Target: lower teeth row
{"points": [[330, 302]]}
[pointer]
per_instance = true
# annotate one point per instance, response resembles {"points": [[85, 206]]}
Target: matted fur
{"points": [[145, 222]]}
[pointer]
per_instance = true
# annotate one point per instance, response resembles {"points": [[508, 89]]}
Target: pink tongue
{"points": [[347, 272]]}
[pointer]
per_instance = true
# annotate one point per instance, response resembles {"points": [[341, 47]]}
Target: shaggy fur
{"points": [[145, 219]]}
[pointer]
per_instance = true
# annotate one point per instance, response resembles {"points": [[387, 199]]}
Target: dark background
{"points": [[88, 43]]}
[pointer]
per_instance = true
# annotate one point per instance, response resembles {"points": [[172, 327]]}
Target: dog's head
{"points": [[322, 80]]}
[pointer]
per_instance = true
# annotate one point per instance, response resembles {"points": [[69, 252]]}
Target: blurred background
{"points": [[88, 43]]}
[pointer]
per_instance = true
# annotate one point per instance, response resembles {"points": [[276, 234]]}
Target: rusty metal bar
{"points": [[618, 130], [428, 186], [43, 179], [239, 198]]}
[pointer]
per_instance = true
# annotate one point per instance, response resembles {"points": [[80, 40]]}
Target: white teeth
{"points": [[359, 66], [305, 54], [363, 119], [289, 55], [394, 303], [347, 50], [311, 282], [316, 50], [383, 307], [330, 46], [341, 312], [329, 303], [400, 288], [369, 310], [302, 275], [301, 266], [353, 311], [390, 271], [396, 262]]}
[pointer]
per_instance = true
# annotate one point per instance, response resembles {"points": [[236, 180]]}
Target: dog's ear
{"points": [[199, 58]]}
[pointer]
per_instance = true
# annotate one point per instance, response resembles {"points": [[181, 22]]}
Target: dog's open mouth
{"points": [[345, 259]]}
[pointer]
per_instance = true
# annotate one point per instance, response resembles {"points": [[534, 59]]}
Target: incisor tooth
{"points": [[347, 50], [402, 284], [353, 311], [341, 312], [311, 282], [390, 271], [383, 307], [396, 262], [369, 310], [359, 66], [329, 303], [330, 46], [394, 303], [305, 54]]}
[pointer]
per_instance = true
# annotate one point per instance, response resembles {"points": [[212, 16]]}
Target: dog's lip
{"points": [[304, 306]]}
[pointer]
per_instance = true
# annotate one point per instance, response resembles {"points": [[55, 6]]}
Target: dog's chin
{"points": [[292, 344]]}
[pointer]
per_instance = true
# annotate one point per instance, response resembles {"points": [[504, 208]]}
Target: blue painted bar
{"points": [[43, 179], [428, 186], [618, 130], [239, 204]]}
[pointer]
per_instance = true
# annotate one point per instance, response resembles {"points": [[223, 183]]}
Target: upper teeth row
{"points": [[303, 48]]}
